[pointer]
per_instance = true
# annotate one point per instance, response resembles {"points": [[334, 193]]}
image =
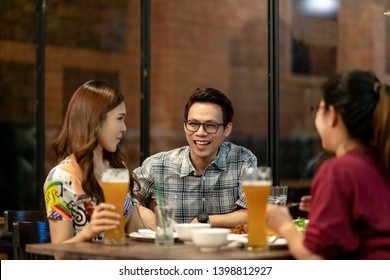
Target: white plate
{"points": [[280, 241], [243, 238], [146, 234], [149, 235], [138, 235]]}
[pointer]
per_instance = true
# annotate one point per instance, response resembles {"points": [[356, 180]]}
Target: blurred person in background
{"points": [[350, 193]]}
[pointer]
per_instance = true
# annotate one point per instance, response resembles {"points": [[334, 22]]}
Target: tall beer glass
{"points": [[256, 185], [115, 185]]}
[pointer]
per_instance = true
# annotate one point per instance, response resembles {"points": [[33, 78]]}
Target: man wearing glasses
{"points": [[201, 180]]}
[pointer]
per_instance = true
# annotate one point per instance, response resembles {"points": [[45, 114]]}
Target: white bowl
{"points": [[184, 230], [210, 239]]}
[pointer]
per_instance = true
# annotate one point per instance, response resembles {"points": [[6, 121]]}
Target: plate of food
{"points": [[301, 224], [240, 234]]}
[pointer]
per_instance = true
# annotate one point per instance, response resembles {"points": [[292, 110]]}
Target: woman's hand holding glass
{"points": [[103, 218]]}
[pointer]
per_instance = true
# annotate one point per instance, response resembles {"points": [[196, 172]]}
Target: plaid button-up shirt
{"points": [[216, 191]]}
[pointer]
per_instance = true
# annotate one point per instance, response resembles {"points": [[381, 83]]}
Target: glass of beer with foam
{"points": [[256, 183], [115, 185]]}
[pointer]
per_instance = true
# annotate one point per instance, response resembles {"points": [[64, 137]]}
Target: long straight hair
{"points": [[86, 111]]}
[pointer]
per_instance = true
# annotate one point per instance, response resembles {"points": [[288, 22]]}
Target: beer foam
{"points": [[257, 183], [116, 175]]}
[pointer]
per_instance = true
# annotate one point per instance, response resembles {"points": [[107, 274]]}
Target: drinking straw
{"points": [[160, 202]]}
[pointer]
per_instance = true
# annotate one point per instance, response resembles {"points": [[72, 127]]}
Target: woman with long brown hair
{"points": [[86, 145]]}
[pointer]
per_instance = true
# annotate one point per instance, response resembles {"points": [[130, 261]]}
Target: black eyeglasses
{"points": [[210, 128]]}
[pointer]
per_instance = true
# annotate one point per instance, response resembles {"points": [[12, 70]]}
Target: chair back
{"points": [[28, 233], [12, 216]]}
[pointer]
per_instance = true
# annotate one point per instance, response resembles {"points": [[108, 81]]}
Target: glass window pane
{"points": [[319, 38], [17, 103], [220, 44], [92, 40]]}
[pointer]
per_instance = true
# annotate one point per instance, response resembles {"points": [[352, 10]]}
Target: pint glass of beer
{"points": [[115, 185], [256, 185]]}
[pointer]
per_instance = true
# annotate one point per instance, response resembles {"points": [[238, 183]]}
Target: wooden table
{"points": [[138, 250]]}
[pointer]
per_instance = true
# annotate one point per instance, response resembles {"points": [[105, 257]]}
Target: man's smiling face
{"points": [[204, 146]]}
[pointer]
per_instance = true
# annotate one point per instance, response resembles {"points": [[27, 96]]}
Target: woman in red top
{"points": [[350, 194]]}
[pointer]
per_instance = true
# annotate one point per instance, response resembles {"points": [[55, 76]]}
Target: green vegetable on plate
{"points": [[300, 224]]}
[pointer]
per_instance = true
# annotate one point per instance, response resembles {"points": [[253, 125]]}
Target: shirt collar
{"points": [[219, 162]]}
